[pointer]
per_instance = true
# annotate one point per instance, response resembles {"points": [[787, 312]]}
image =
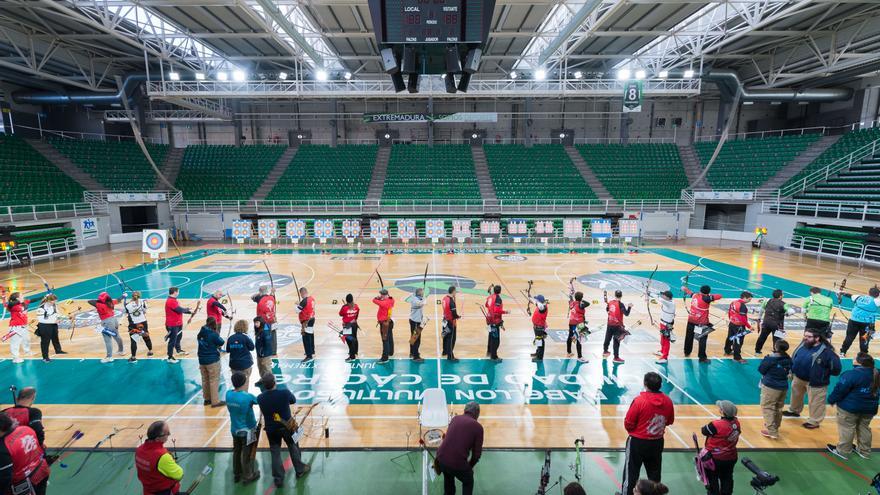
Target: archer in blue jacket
{"points": [[856, 397], [210, 343], [813, 363], [864, 313], [239, 347], [774, 370]]}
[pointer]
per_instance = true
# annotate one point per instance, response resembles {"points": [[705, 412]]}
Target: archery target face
{"points": [[154, 241]]}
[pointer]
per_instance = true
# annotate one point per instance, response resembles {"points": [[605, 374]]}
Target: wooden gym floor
{"points": [[367, 405]]}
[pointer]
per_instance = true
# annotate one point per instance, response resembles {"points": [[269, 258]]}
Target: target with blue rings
{"points": [[155, 241]]}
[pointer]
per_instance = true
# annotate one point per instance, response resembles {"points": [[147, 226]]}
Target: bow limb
{"points": [[269, 273], [529, 297], [648, 294], [45, 282]]}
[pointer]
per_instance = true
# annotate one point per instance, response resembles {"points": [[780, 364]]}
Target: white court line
{"points": [[175, 413], [216, 432], [438, 344], [689, 396]]}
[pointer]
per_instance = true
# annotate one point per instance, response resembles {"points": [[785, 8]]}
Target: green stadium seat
{"points": [[225, 172], [537, 173], [749, 163], [637, 171], [117, 165], [27, 178], [423, 173], [320, 172]]}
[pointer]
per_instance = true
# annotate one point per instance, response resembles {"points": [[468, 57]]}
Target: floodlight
{"points": [[174, 76], [623, 74]]}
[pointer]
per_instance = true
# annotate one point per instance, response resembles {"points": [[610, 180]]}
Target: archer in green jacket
{"points": [[818, 311]]}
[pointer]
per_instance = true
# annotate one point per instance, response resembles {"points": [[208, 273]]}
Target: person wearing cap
{"points": [[722, 436], [813, 364], [386, 324], [243, 424], [646, 421], [539, 322]]}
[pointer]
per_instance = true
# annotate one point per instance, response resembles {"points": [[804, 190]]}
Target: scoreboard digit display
{"points": [[431, 21]]}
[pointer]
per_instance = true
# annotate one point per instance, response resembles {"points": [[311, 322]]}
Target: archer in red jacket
{"points": [[739, 326], [19, 336], [646, 421], [174, 323], [386, 324], [495, 319], [106, 307], [699, 317], [349, 313], [722, 435]]}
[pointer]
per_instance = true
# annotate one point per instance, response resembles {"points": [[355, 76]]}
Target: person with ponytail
{"points": [[648, 487], [856, 396]]}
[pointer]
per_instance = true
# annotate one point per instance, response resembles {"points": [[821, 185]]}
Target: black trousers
{"points": [[352, 341], [541, 340], [610, 334], [388, 341], [734, 345], [573, 337], [414, 347], [854, 328], [822, 325], [689, 342], [494, 342], [48, 333], [174, 335], [766, 331], [134, 346], [449, 340], [721, 479], [639, 452], [308, 344], [449, 477]]}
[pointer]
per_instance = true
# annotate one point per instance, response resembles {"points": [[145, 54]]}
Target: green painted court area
{"points": [[513, 381], [499, 472]]}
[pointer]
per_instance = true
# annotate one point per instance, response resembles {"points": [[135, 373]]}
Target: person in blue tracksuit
{"points": [[856, 397], [861, 323], [210, 343]]}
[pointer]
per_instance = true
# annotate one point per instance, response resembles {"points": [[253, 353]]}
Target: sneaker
{"points": [[810, 426], [172, 360], [606, 354], [61, 352], [18, 360], [149, 353], [533, 354], [453, 359], [349, 360], [496, 360], [47, 360], [658, 353], [304, 472], [583, 360], [769, 435], [741, 361], [661, 361], [307, 359], [843, 355], [253, 478], [120, 353], [132, 359], [383, 360], [618, 360], [219, 404], [833, 449], [758, 353], [791, 414], [704, 360], [860, 453], [536, 360], [418, 360], [569, 355], [107, 360]]}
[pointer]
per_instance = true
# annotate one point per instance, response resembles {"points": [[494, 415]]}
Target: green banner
{"points": [[632, 96], [381, 118]]}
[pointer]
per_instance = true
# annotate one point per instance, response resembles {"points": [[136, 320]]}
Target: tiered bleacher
{"points": [[225, 172], [749, 163], [117, 165], [637, 171], [319, 172], [848, 143], [861, 182], [441, 172], [28, 178], [539, 172]]}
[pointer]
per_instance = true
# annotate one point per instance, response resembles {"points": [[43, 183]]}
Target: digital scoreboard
{"points": [[431, 21]]}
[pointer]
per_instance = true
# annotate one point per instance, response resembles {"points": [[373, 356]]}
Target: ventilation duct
{"points": [[728, 82], [80, 97]]}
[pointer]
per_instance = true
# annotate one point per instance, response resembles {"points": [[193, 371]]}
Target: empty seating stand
{"points": [[637, 171], [848, 143], [28, 178], [225, 172], [540, 172], [117, 165], [319, 172], [440, 172], [749, 163], [861, 182]]}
